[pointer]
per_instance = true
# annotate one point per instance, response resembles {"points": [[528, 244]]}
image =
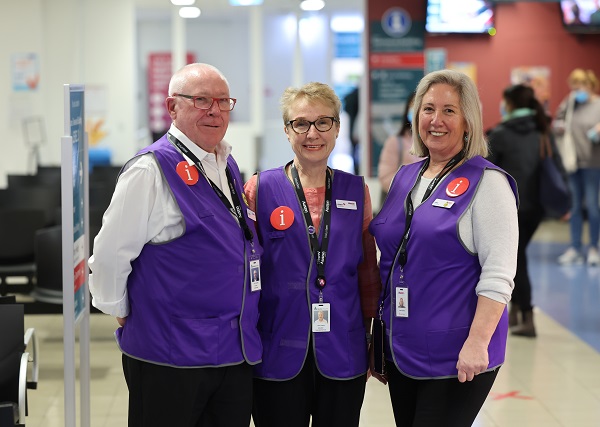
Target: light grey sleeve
{"points": [[490, 229]]}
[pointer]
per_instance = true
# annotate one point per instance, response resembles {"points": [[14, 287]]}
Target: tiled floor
{"points": [[551, 381]]}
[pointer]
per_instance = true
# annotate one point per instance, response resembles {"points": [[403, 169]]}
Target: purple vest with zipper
{"points": [[440, 274], [289, 272], [190, 298]]}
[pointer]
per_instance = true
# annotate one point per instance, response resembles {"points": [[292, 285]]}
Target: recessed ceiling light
{"points": [[312, 5], [245, 2], [189, 12]]}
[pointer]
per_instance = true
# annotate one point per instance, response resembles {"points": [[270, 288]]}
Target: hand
{"points": [[473, 359], [121, 320]]}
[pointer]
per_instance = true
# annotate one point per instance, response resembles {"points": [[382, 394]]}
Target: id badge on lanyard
{"points": [[401, 296], [255, 273]]}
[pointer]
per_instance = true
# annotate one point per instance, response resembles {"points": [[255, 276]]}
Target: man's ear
{"points": [[170, 104]]}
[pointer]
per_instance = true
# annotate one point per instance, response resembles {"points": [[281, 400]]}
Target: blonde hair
{"points": [[475, 143], [579, 75], [313, 91]]}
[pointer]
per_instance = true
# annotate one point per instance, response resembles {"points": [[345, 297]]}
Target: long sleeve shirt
{"points": [[142, 210]]}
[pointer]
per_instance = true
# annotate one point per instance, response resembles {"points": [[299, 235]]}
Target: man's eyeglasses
{"points": [[206, 102], [322, 124]]}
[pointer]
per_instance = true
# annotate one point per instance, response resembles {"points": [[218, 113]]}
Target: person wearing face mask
{"points": [[396, 149], [319, 257], [448, 237], [595, 16], [578, 115], [515, 147]]}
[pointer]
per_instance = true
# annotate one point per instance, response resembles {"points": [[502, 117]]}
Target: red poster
{"points": [[159, 74]]}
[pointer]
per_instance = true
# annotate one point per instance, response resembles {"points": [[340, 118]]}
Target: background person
{"points": [[595, 16], [577, 114], [396, 149], [351, 106], [171, 262], [453, 251], [313, 222], [515, 147]]}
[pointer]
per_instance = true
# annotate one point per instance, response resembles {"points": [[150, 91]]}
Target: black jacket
{"points": [[515, 147]]}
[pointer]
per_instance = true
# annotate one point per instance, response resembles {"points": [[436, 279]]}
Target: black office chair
{"points": [[17, 231], [48, 286], [43, 180], [49, 172], [44, 198], [17, 349], [100, 195], [105, 174]]}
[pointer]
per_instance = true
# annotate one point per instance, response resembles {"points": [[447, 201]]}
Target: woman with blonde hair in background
{"points": [[577, 121]]}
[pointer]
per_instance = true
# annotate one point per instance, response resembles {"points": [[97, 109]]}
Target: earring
{"points": [[466, 138]]}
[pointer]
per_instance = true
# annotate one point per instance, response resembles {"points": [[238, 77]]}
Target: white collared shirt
{"points": [[142, 210]]}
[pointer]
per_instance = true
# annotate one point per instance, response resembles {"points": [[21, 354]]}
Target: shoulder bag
{"points": [[555, 195]]}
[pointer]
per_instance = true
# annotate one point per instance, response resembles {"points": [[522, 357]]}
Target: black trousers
{"points": [[162, 396], [332, 403], [529, 221], [435, 403]]}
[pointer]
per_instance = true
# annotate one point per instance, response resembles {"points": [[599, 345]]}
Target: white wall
{"points": [[14, 106], [104, 45], [77, 41]]}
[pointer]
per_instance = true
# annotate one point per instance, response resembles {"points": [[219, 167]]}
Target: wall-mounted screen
{"points": [[459, 16], [581, 16]]}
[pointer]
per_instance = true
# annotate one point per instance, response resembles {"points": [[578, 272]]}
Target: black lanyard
{"points": [[410, 211], [320, 250], [236, 209]]}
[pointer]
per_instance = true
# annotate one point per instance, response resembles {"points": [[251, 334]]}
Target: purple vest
{"points": [[440, 274], [190, 298], [288, 283]]}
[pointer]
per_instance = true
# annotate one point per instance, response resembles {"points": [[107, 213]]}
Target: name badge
{"points": [[401, 301], [441, 203], [345, 204], [255, 275], [321, 317]]}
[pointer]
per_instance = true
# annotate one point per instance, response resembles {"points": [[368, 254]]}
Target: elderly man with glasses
{"points": [[172, 263]]}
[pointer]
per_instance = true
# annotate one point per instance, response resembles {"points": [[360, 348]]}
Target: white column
{"points": [[178, 48], [298, 73], [257, 88]]}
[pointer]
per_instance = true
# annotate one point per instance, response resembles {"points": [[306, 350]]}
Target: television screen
{"points": [[581, 16], [459, 16]]}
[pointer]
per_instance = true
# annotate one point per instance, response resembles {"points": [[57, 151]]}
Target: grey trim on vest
{"points": [[245, 360], [460, 239], [245, 290]]}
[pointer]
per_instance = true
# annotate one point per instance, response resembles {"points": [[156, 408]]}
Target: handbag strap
{"points": [[569, 112], [545, 146]]}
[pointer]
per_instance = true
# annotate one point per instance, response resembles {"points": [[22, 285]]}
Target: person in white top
{"points": [[161, 292]]}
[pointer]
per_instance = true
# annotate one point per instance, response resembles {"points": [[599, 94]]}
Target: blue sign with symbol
{"points": [[396, 22]]}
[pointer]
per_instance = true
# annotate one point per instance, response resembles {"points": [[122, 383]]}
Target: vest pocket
{"points": [[276, 234], [379, 219], [194, 341], [205, 214], [443, 348]]}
